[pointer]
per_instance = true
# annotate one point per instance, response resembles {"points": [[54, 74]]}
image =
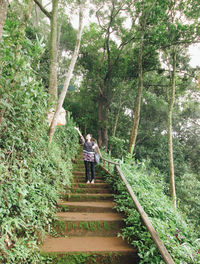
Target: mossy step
{"points": [[96, 207], [91, 186], [64, 245], [78, 161], [90, 258], [90, 190], [83, 177], [82, 180], [90, 197], [78, 168], [88, 224], [80, 172], [76, 216]]}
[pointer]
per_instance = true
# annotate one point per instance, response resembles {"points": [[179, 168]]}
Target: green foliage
{"points": [[118, 146], [178, 236], [32, 172], [188, 192], [84, 258]]}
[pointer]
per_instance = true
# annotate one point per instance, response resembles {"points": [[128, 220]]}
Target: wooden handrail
{"points": [[109, 161], [161, 247]]}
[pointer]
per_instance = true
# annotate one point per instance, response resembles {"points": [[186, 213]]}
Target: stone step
{"points": [[103, 249], [88, 224], [90, 197], [92, 186], [82, 180], [80, 172], [90, 190], [96, 207], [78, 161], [83, 177]]}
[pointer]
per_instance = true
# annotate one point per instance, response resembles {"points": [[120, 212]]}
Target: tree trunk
{"points": [[136, 119], [116, 123], [105, 128], [68, 76], [134, 131], [117, 117], [170, 136], [37, 14], [53, 68], [100, 120], [3, 13]]}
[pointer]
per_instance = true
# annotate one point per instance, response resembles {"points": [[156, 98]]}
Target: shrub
{"points": [[32, 172], [178, 236]]}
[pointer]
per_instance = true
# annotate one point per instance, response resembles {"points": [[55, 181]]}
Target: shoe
{"points": [[88, 182], [92, 181]]}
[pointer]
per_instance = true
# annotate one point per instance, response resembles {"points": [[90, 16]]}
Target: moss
{"points": [[58, 228], [71, 226], [84, 258], [94, 226], [106, 226], [84, 225], [64, 208]]}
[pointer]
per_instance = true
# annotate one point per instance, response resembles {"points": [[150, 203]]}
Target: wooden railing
{"points": [[161, 247]]}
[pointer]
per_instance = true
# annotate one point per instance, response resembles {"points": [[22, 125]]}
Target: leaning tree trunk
{"points": [[53, 68], [3, 13], [170, 136], [136, 119], [68, 76]]}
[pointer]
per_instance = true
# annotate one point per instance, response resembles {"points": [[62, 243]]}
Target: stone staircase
{"points": [[87, 226]]}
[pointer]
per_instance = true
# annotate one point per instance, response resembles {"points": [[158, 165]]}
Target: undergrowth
{"points": [[177, 234], [32, 172]]}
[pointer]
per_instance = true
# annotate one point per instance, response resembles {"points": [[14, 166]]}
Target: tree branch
{"points": [[48, 14]]}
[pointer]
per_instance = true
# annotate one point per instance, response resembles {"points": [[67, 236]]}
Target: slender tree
{"points": [[53, 67], [178, 38], [143, 26], [68, 75], [170, 131]]}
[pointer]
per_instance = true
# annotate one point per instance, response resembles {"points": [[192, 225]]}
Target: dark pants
{"points": [[89, 165]]}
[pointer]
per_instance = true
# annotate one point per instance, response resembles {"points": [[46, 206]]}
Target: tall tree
{"points": [[68, 74], [145, 10], [53, 67], [178, 38], [170, 131], [3, 13], [111, 20]]}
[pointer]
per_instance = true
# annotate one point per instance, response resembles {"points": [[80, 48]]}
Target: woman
{"points": [[88, 156]]}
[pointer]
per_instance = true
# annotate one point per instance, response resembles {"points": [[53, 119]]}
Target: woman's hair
{"points": [[94, 140]]}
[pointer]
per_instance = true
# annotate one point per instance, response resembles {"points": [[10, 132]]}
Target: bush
{"points": [[178, 236], [118, 146], [32, 173]]}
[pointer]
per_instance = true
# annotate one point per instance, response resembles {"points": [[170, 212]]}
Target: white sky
{"points": [[194, 51]]}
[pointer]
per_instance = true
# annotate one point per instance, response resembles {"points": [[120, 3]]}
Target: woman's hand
{"points": [[77, 129]]}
